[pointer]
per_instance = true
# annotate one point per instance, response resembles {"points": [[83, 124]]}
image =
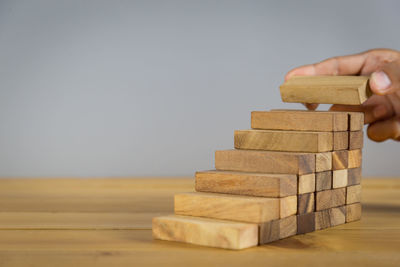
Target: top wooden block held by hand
{"points": [[347, 90]]}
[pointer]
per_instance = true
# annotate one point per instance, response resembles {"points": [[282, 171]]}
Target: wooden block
{"points": [[205, 232], [340, 140], [306, 183], [288, 206], [250, 184], [228, 207], [353, 212], [347, 90], [339, 178], [355, 158], [278, 229], [306, 203], [354, 176], [291, 141], [330, 217], [330, 198], [340, 160], [305, 223], [299, 120], [356, 121], [323, 161], [353, 194], [323, 180], [265, 161], [356, 139]]}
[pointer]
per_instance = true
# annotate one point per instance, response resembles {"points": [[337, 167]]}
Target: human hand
{"points": [[382, 110]]}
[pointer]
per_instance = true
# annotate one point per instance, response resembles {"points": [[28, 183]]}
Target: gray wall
{"points": [[122, 88]]}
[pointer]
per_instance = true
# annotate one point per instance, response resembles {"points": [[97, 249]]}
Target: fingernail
{"points": [[379, 111], [381, 81]]}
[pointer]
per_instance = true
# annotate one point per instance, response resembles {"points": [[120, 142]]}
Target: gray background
{"points": [[123, 88]]}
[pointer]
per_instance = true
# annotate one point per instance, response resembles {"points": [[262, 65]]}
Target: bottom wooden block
{"points": [[205, 232], [353, 212], [330, 217], [305, 223], [278, 229]]}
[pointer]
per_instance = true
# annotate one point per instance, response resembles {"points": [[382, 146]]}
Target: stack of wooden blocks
{"points": [[294, 172]]}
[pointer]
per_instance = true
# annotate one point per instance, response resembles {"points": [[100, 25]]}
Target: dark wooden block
{"points": [[340, 159], [323, 181], [305, 223], [305, 203], [354, 176]]}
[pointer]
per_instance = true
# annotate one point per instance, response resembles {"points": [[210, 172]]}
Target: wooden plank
{"points": [[250, 184], [305, 223], [299, 120], [347, 90], [205, 232], [353, 212], [227, 207], [354, 176], [340, 140], [355, 158], [323, 180], [265, 161], [306, 183], [290, 141], [288, 206], [278, 229], [340, 160], [330, 198], [353, 194], [356, 140], [339, 178], [356, 121], [306, 203], [330, 217], [323, 161]]}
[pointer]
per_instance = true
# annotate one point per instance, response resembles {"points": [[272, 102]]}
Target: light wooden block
{"points": [[227, 207], [205, 232], [356, 121], [355, 158], [265, 161], [340, 160], [291, 141], [306, 183], [347, 90], [306, 203], [340, 140], [330, 217], [250, 184], [288, 206], [278, 229], [305, 223], [330, 198], [356, 140], [354, 176], [323, 180], [339, 178], [353, 212], [353, 194], [299, 120], [323, 161]]}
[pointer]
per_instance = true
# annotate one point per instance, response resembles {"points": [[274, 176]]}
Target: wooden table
{"points": [[107, 222]]}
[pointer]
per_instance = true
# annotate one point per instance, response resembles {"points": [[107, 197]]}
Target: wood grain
{"points": [[305, 223], [306, 183], [278, 229], [356, 140], [340, 140], [265, 161], [306, 203], [355, 158], [354, 176], [356, 121], [323, 180], [353, 212], [290, 141], [205, 232], [288, 206], [340, 159], [330, 198], [323, 161], [353, 194], [227, 207], [348, 90], [250, 184], [299, 120], [339, 178], [330, 217]]}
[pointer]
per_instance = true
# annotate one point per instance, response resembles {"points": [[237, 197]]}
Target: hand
{"points": [[382, 110]]}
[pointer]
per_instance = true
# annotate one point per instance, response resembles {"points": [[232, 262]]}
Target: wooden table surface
{"points": [[107, 222]]}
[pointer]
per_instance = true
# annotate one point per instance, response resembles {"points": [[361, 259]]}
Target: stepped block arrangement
{"points": [[293, 173]]}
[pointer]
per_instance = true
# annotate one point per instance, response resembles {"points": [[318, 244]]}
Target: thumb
{"points": [[386, 80]]}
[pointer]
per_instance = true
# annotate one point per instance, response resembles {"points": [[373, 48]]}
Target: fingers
{"points": [[382, 130], [311, 106], [386, 80]]}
